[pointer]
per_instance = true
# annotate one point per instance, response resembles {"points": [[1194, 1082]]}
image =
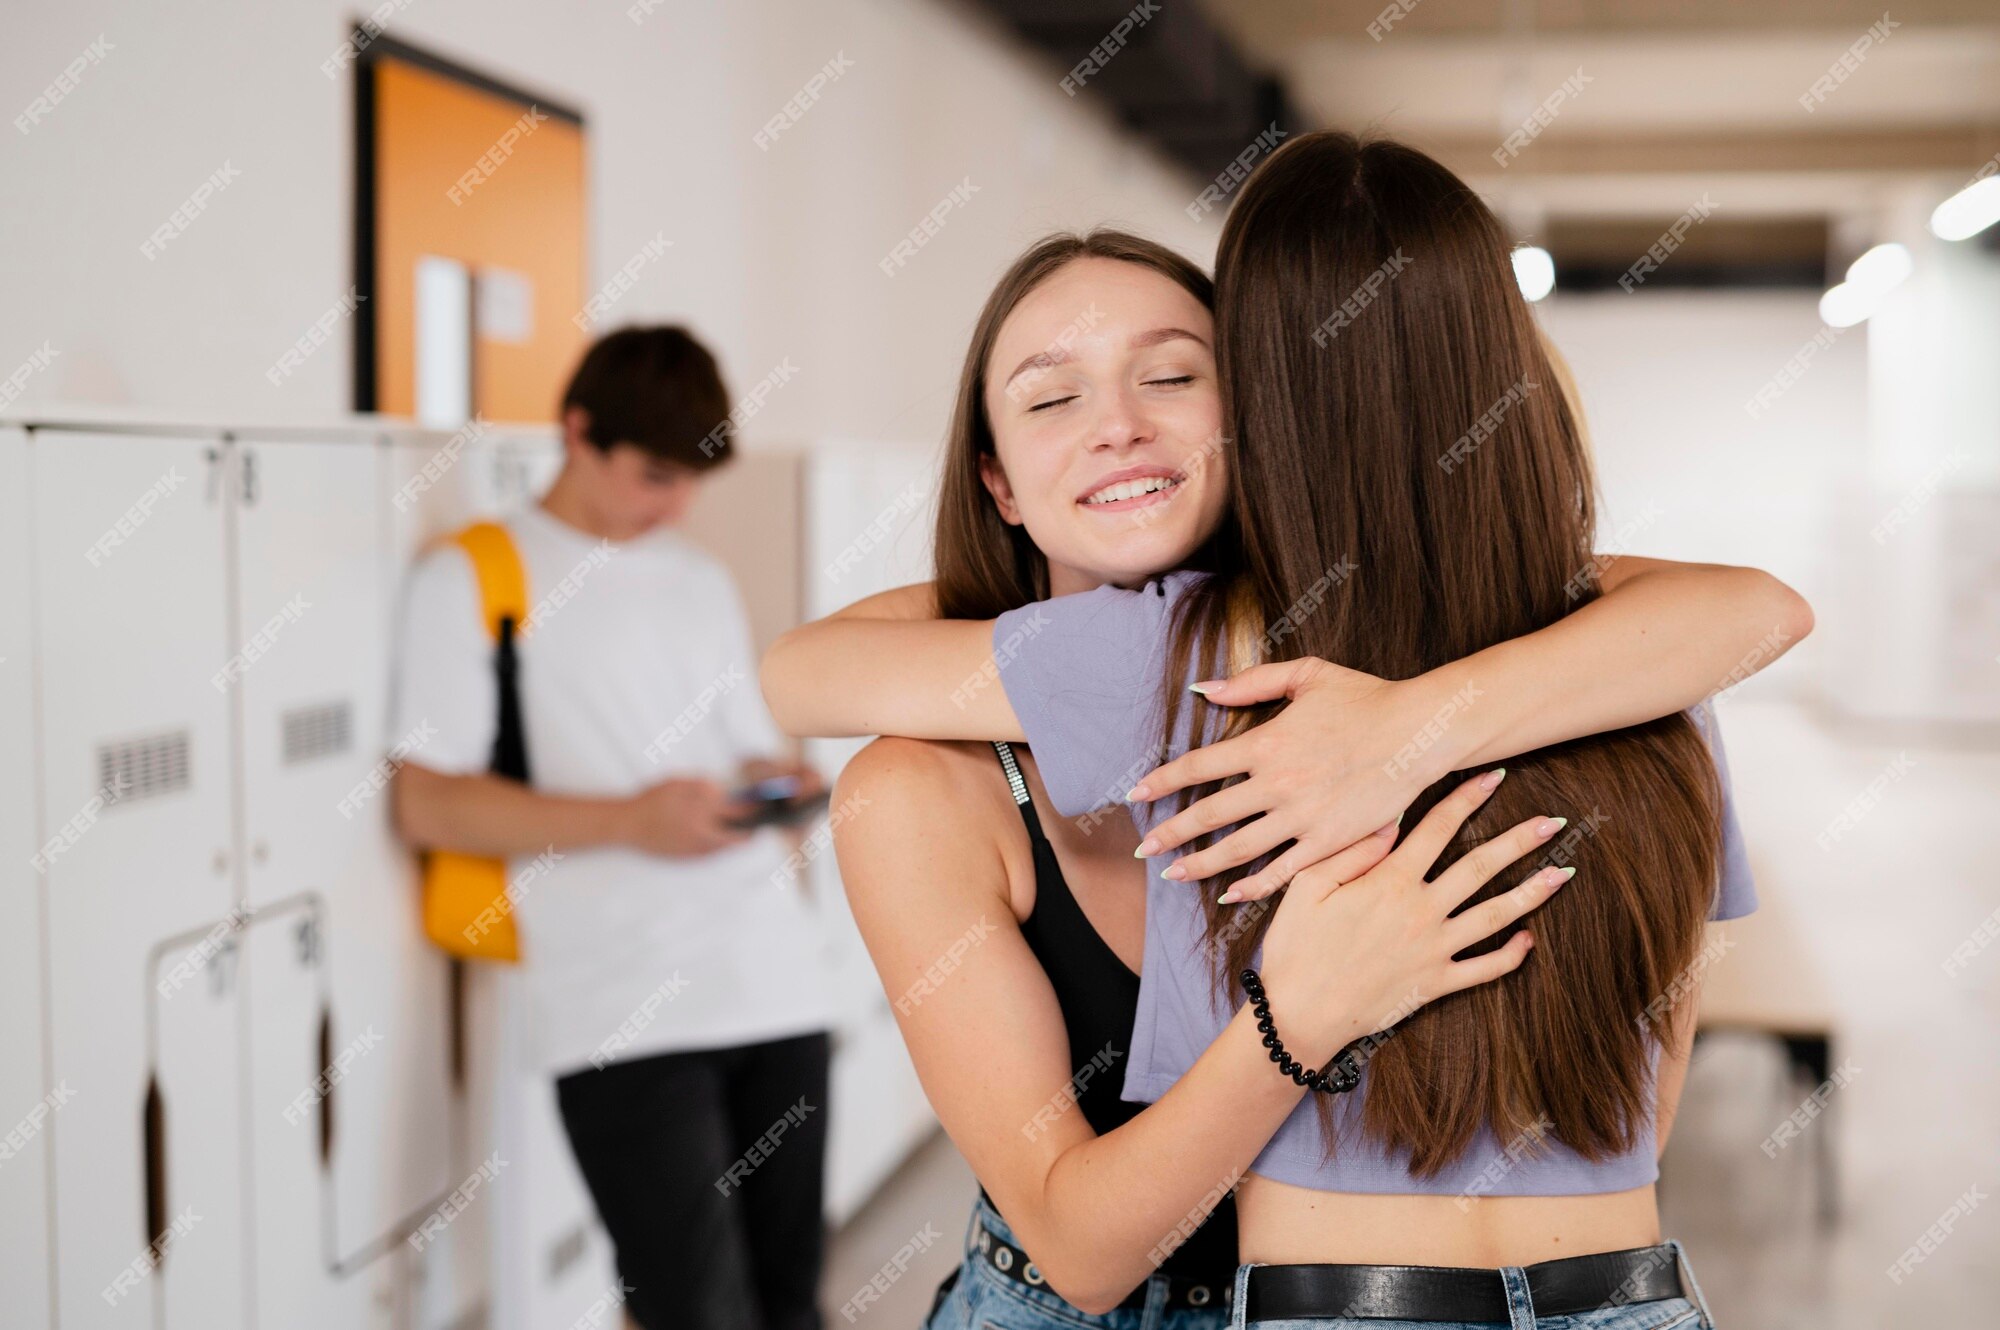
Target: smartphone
{"points": [[775, 801]]}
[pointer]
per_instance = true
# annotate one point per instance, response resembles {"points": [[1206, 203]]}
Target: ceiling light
{"points": [[1869, 279], [1968, 212], [1534, 271]]}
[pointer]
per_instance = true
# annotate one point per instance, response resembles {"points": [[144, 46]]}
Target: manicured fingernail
{"points": [[1174, 873], [1389, 830], [1492, 778], [1204, 686], [1569, 872], [1549, 826], [1148, 846], [1138, 794], [1228, 897]]}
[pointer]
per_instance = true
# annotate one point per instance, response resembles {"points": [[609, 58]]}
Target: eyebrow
{"points": [[1059, 355]]}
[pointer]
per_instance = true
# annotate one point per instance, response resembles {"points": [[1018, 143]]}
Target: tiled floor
{"points": [[934, 1188], [1916, 1125]]}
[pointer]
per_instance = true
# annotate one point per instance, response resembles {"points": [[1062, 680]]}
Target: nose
{"points": [[1122, 422]]}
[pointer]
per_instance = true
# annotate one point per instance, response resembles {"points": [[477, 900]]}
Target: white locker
{"points": [[194, 1130], [300, 1116], [536, 1255], [868, 515], [518, 468], [551, 1260], [28, 1101], [429, 492], [312, 537], [132, 641]]}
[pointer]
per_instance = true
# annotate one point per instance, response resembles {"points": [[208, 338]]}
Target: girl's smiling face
{"points": [[1107, 424]]}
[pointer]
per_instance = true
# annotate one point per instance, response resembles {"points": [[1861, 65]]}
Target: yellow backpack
{"points": [[466, 908]]}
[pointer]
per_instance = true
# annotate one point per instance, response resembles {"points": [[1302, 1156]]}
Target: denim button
{"points": [[1198, 1296]]}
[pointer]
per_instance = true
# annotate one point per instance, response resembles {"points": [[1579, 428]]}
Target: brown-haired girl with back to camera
{"points": [[1335, 503]]}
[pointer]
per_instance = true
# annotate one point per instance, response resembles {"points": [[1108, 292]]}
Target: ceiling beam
{"points": [[1941, 148]]}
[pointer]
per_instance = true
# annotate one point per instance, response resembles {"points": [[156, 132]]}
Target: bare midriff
{"points": [[1286, 1225]]}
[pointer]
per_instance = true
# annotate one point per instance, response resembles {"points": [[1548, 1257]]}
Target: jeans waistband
{"points": [[1515, 1295], [989, 1241]]}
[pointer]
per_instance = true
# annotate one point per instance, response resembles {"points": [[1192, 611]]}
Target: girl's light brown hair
{"points": [[985, 566], [1411, 486]]}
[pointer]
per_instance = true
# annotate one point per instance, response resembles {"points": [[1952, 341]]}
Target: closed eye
{"points": [[1054, 401], [1185, 378]]}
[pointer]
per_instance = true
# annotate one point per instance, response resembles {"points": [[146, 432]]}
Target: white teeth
{"points": [[1131, 489]]}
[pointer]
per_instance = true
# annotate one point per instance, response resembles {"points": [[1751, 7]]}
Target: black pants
{"points": [[706, 1169]]}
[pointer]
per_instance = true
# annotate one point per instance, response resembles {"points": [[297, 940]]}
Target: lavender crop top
{"points": [[1084, 674]]}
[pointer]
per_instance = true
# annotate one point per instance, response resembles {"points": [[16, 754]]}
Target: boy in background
{"points": [[671, 965]]}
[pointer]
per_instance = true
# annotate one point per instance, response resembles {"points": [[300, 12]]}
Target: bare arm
{"points": [[1351, 749], [486, 815], [886, 665], [925, 876], [1662, 637]]}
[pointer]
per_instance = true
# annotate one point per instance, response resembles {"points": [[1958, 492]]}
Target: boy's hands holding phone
{"points": [[682, 818], [686, 817], [778, 794]]}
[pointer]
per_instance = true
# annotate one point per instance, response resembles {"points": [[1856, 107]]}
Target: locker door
{"points": [[527, 464], [551, 1259], [132, 634], [499, 472], [313, 555], [297, 1113], [194, 1129], [432, 489], [28, 1101]]}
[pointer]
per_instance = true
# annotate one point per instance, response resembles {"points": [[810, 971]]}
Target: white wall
{"points": [[1687, 470], [774, 251], [1868, 483]]}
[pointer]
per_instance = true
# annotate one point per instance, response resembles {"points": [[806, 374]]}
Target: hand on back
{"points": [[1361, 940]]}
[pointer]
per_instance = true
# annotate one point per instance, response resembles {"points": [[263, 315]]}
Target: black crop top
{"points": [[1099, 997]]}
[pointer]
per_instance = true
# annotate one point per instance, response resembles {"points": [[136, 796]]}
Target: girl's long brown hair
{"points": [[984, 566], [1410, 486]]}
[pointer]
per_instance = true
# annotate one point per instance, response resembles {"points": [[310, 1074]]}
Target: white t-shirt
{"points": [[635, 666]]}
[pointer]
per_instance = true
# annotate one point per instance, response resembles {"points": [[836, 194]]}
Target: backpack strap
{"points": [[503, 607], [503, 583]]}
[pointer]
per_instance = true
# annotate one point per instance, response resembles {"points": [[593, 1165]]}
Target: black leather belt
{"points": [[1566, 1287], [1182, 1294]]}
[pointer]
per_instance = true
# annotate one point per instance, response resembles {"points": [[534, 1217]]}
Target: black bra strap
{"points": [[1019, 785]]}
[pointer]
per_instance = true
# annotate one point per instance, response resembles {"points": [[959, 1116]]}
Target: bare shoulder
{"points": [[920, 805], [903, 783], [907, 766]]}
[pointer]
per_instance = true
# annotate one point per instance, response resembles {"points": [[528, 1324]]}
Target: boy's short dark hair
{"points": [[658, 389]]}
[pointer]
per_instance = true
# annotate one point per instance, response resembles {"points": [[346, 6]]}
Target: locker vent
{"points": [[142, 768], [317, 731]]}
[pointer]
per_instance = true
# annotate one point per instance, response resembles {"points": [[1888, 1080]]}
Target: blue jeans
{"points": [[1689, 1313], [978, 1297]]}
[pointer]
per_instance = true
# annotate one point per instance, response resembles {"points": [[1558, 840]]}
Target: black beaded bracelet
{"points": [[1346, 1073]]}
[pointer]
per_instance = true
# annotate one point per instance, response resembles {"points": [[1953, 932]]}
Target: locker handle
{"points": [[326, 1100], [155, 1128]]}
